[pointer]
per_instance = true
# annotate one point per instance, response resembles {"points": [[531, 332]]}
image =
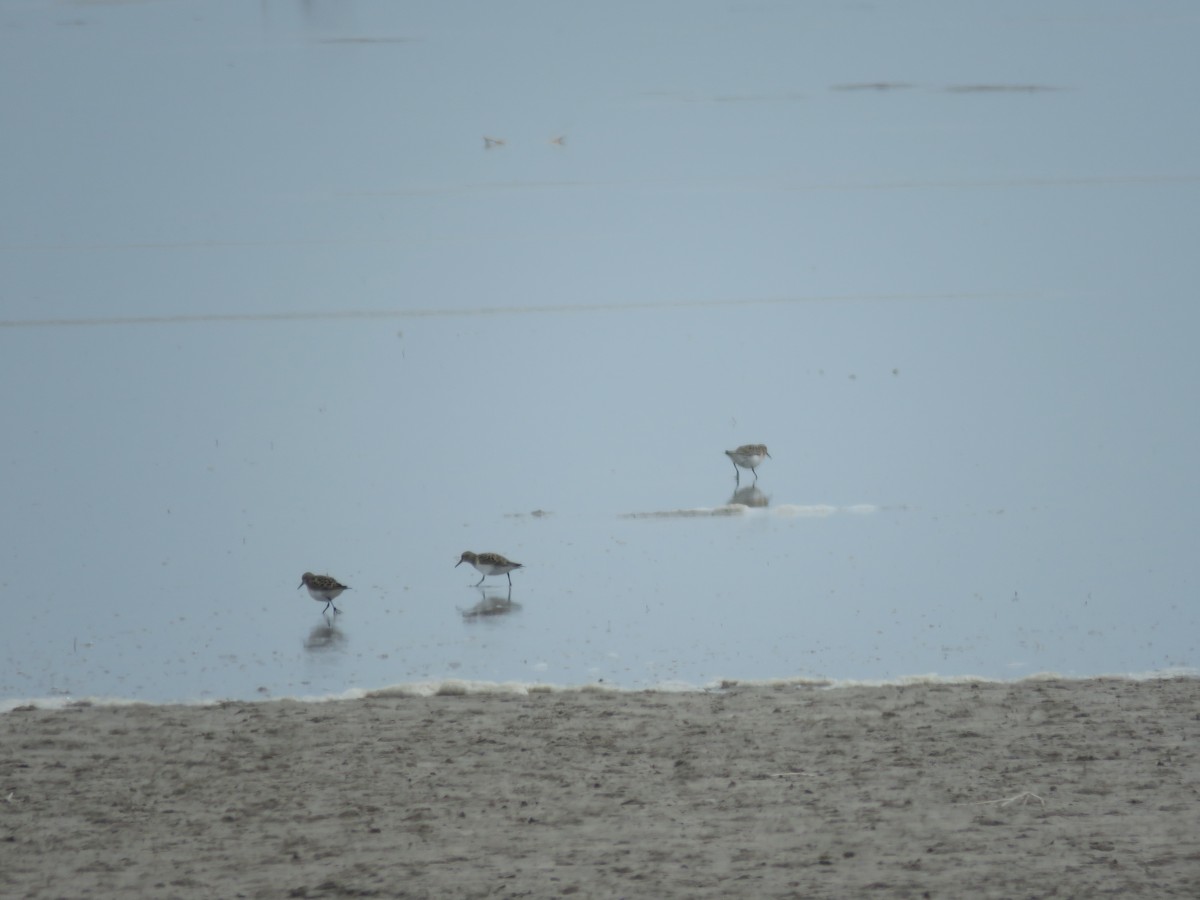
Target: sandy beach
{"points": [[1042, 788]]}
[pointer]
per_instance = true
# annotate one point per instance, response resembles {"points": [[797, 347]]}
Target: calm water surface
{"points": [[277, 309]]}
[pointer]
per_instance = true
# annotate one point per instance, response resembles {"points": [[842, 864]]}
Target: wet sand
{"points": [[1047, 788]]}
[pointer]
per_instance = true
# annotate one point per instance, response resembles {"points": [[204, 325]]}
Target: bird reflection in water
{"points": [[325, 638], [750, 496], [493, 605]]}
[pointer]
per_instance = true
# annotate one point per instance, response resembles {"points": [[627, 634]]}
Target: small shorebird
{"points": [[488, 564], [322, 588], [747, 456], [490, 142]]}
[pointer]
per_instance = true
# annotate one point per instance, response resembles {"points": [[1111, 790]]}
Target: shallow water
{"points": [[306, 321]]}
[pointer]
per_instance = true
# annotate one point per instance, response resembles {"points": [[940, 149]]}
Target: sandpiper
{"points": [[488, 564], [322, 588], [747, 456]]}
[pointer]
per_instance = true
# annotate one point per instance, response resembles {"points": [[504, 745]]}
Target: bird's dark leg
{"points": [[480, 581], [755, 471], [736, 474], [509, 574]]}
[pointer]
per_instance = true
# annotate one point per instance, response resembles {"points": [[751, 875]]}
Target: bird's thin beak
{"points": [[300, 585], [457, 564]]}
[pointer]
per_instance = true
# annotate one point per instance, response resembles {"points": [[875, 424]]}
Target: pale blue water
{"points": [[270, 306]]}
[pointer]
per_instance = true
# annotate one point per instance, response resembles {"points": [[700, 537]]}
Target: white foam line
{"points": [[68, 701], [462, 688], [932, 678], [809, 511], [453, 687]]}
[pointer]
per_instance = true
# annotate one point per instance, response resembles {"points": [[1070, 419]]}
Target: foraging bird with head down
{"points": [[489, 564]]}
